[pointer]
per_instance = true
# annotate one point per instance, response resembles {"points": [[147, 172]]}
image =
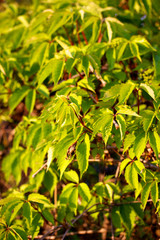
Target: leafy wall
{"points": [[85, 76]]}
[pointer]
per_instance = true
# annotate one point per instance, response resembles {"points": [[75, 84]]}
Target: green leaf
{"points": [[104, 124], [54, 66], [121, 50], [58, 20], [17, 97], [109, 191], [36, 223], [135, 50], [125, 91], [73, 199], [148, 117], [71, 176], [39, 54], [38, 198], [140, 144], [48, 216], [131, 175], [154, 141], [43, 90], [30, 100], [50, 156], [50, 181], [83, 152], [115, 214], [111, 57], [84, 191], [148, 6], [122, 125], [27, 213], [148, 90], [109, 30], [125, 109], [85, 65], [61, 152], [129, 140], [15, 211], [145, 193], [124, 164], [156, 61], [139, 168], [66, 192], [128, 216], [154, 192]]}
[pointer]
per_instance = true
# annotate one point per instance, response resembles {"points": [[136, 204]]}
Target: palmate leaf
{"points": [[66, 193], [73, 199], [84, 191], [129, 140], [39, 54], [104, 124], [115, 214], [58, 20], [131, 175], [27, 213], [17, 97], [145, 193], [125, 109], [38, 198], [54, 67], [50, 156], [122, 125], [125, 91], [30, 100], [109, 30], [61, 152], [83, 152], [135, 50], [140, 168], [85, 64], [154, 192], [71, 176], [123, 165], [148, 6], [148, 117], [148, 90], [154, 141], [48, 216], [50, 181], [128, 216], [156, 61], [140, 144]]}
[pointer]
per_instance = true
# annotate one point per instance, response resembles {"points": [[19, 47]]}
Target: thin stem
{"points": [[79, 40], [84, 37], [77, 218], [81, 76], [69, 38], [138, 101], [44, 165]]}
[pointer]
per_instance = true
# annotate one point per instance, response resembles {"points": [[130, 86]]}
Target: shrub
{"points": [[85, 76]]}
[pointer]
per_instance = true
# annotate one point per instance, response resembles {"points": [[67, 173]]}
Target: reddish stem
{"points": [[138, 100], [79, 40], [84, 37], [81, 76], [69, 38], [100, 37]]}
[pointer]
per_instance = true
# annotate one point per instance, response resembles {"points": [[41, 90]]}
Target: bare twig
{"points": [[77, 218], [44, 165], [81, 232]]}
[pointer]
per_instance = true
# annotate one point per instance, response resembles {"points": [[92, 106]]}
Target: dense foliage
{"points": [[85, 77]]}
